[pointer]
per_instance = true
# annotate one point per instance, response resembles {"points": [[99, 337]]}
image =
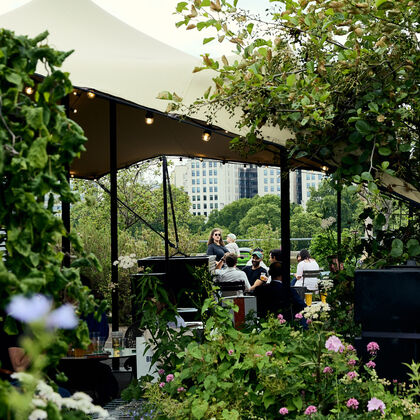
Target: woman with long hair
{"points": [[307, 263], [215, 244]]}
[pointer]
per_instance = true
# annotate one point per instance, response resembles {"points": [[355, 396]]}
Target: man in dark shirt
{"points": [[254, 271]]}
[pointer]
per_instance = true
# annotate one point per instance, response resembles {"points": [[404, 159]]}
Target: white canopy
{"points": [[124, 64]]}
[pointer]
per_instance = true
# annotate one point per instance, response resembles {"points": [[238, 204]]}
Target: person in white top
{"points": [[231, 244], [306, 264]]}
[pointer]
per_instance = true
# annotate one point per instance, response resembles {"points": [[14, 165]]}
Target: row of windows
{"points": [[271, 188], [212, 172], [216, 197], [197, 189], [271, 180], [313, 176], [211, 205], [277, 171], [198, 213], [308, 185], [203, 164], [197, 181]]}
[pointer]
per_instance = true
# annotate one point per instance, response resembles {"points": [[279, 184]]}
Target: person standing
{"points": [[232, 245], [307, 263], [215, 244], [254, 271]]}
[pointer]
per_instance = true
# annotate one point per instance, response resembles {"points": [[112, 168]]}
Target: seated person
{"points": [[254, 271], [262, 264], [231, 273], [307, 263], [277, 296]]}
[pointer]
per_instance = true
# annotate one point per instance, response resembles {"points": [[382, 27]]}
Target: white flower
{"points": [[38, 415], [28, 309], [326, 284], [22, 377], [326, 223], [316, 311], [81, 396], [63, 317], [126, 261], [37, 402]]}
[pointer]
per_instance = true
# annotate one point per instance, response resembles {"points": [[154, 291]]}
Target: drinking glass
{"points": [[308, 299]]}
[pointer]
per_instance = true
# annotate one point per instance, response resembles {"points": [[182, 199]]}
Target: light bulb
{"points": [[206, 136], [90, 94], [29, 90], [149, 119], [74, 111], [325, 168]]}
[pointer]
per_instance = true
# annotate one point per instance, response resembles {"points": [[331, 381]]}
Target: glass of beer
{"points": [[263, 277], [308, 299], [324, 297]]}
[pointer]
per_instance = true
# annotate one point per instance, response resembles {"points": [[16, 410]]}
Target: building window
{"points": [[194, 213], [198, 181], [204, 172], [198, 198], [204, 189], [192, 164], [193, 198], [271, 180], [278, 187], [215, 190], [215, 172], [308, 186], [320, 177], [215, 197], [204, 181], [308, 177], [198, 189], [211, 198], [210, 164], [278, 172], [193, 189], [266, 189], [214, 180], [272, 188], [211, 189], [198, 206], [265, 172], [203, 164], [211, 205], [193, 206], [278, 180], [216, 206], [192, 173], [204, 197], [271, 171], [313, 184], [210, 172], [308, 194], [204, 205], [205, 213], [265, 180], [193, 181]]}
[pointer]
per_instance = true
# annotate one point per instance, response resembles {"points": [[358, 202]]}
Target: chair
{"points": [[310, 274], [300, 290], [226, 287]]}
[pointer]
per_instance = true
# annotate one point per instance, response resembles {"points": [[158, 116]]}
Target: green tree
{"points": [[349, 101], [323, 203]]}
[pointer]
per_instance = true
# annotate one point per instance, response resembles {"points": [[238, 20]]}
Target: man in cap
{"points": [[254, 271]]}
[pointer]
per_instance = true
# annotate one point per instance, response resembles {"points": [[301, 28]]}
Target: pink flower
{"points": [[269, 353], [353, 403], [169, 377], [376, 404], [351, 375], [394, 381], [181, 389], [372, 347], [310, 410], [162, 384], [298, 316], [161, 371], [334, 344], [328, 369], [351, 362], [280, 316], [230, 352], [309, 321], [350, 347], [371, 364], [283, 411], [282, 321]]}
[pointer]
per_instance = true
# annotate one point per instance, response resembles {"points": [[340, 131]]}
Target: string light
{"points": [[149, 118], [29, 90], [75, 111], [91, 94], [201, 159], [325, 168], [206, 136], [75, 92]]}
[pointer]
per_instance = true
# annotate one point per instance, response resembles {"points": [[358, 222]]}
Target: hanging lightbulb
{"points": [[91, 94], [325, 168], [149, 118], [74, 92], [206, 135], [29, 90], [74, 111]]}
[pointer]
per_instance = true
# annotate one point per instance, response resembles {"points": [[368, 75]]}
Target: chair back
{"points": [[228, 286], [300, 290], [310, 274]]}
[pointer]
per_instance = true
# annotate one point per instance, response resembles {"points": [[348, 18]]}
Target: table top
{"points": [[186, 310], [108, 353]]}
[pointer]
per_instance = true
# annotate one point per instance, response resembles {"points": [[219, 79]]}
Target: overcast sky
{"points": [[156, 18]]}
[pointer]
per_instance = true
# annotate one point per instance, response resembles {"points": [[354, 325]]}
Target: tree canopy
{"points": [[343, 76]]}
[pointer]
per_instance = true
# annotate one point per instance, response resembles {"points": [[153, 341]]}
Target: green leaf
{"points": [[384, 4], [373, 106], [297, 401], [373, 188], [397, 248], [405, 147], [207, 40], [181, 6], [10, 326], [34, 117], [249, 28], [14, 78], [366, 176], [363, 127], [384, 151], [199, 408], [230, 414], [413, 247], [37, 155], [291, 79]]}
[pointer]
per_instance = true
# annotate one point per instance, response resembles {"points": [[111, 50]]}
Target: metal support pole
{"points": [[285, 214], [339, 188], [165, 208], [114, 211]]}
